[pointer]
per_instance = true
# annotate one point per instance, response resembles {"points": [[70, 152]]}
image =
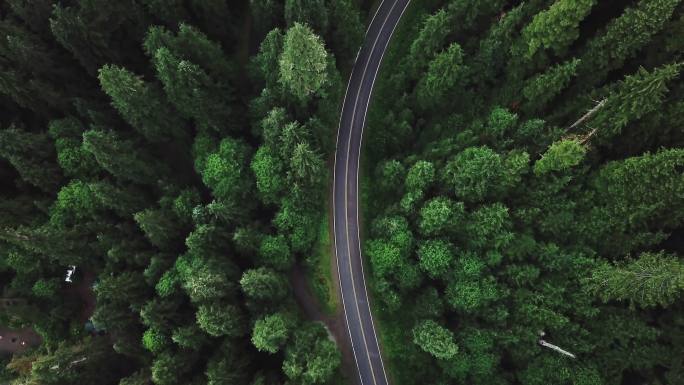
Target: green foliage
{"points": [[220, 319], [653, 279], [32, 156], [444, 72], [46, 288], [634, 97], [265, 64], [225, 171], [264, 284], [274, 251], [141, 105], [311, 358], [543, 88], [303, 63], [435, 339], [121, 157], [420, 176], [623, 37], [268, 172], [440, 215], [435, 257], [430, 40], [475, 174], [271, 332], [644, 190], [557, 27], [311, 12], [189, 337], [560, 156], [154, 340]]}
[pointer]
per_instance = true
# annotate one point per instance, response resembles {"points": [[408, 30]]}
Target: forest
{"points": [[526, 187], [175, 153], [523, 190]]}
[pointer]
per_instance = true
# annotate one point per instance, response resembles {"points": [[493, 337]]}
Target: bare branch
{"points": [[589, 113]]}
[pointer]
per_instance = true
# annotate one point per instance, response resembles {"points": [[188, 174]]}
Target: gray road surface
{"points": [[359, 320]]}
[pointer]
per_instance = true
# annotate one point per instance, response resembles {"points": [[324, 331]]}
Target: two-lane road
{"points": [[359, 320]]}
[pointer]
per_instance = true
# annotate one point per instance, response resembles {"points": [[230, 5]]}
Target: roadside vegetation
{"points": [[138, 144], [526, 168]]}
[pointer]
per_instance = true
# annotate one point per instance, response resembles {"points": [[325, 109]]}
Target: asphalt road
{"points": [[359, 320]]}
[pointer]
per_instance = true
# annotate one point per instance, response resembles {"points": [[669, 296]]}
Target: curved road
{"points": [[359, 320]]}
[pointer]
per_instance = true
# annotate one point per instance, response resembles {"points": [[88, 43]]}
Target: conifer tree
{"points": [[541, 89], [122, 158], [634, 97], [142, 105], [271, 332], [444, 73], [623, 38], [303, 63], [32, 155], [311, 12], [435, 339], [557, 27], [653, 279], [430, 40]]}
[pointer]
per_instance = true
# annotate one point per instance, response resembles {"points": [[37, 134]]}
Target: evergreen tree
{"points": [[311, 358], [142, 105], [32, 155], [445, 71], [271, 332], [623, 38], [303, 63], [430, 40], [557, 27], [633, 98], [220, 319], [435, 339], [653, 279], [543, 88], [264, 284], [311, 12], [122, 158]]}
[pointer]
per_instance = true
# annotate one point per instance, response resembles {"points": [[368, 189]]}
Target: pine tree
{"points": [[271, 332], [623, 38], [264, 284], [303, 63], [430, 40], [142, 105], [311, 12], [220, 319], [543, 88], [632, 201], [89, 30], [634, 97], [435, 339], [653, 279], [557, 27], [32, 155], [444, 73], [122, 157], [560, 156]]}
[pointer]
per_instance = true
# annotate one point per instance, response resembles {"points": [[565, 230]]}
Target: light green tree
{"points": [[435, 339], [271, 332], [303, 63]]}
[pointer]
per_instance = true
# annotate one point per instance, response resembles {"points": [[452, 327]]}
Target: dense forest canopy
{"points": [[526, 189], [523, 190], [175, 153]]}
